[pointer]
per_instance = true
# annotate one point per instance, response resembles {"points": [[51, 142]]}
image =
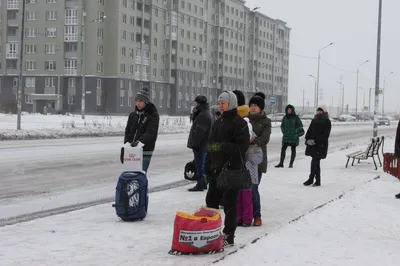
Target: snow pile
{"points": [[37, 126]]}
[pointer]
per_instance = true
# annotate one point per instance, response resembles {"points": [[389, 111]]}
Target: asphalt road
{"points": [[41, 166]]}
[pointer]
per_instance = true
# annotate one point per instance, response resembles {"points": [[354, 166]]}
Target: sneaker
{"points": [[228, 241], [257, 222]]}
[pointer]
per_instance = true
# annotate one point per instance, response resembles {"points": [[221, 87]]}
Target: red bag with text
{"points": [[199, 233]]}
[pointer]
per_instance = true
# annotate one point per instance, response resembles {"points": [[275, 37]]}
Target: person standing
{"points": [[292, 129], [262, 128], [242, 109], [228, 143], [198, 139], [317, 137], [142, 126], [397, 147]]}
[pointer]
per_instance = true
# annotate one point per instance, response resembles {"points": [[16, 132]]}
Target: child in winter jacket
{"points": [[254, 157]]}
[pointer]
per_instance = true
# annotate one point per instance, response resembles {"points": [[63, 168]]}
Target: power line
{"points": [[343, 70]]}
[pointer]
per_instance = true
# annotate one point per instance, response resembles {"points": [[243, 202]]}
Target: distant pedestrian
{"points": [[292, 129], [142, 126], [317, 137], [198, 138]]}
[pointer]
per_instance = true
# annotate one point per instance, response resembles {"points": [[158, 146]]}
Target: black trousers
{"points": [[229, 197], [315, 168], [283, 152]]}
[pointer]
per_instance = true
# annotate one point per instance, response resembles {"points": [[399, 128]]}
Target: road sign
{"points": [[272, 100]]}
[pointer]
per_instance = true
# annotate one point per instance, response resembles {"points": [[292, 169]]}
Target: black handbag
{"points": [[234, 179]]}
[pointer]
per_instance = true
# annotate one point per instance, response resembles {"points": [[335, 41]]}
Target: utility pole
{"points": [[83, 64], [21, 62], [358, 72], [378, 61]]}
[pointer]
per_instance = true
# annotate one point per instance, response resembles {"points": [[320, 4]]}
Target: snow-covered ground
{"points": [[356, 225], [38, 126]]}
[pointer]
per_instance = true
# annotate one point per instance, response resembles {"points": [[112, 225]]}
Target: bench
{"points": [[370, 152]]}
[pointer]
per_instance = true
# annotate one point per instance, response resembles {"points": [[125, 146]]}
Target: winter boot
{"points": [[228, 241], [398, 196], [280, 165], [292, 158], [257, 222], [310, 181], [196, 188], [317, 181]]}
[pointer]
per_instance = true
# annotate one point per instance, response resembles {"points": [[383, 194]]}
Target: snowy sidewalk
{"points": [[95, 236], [360, 228]]}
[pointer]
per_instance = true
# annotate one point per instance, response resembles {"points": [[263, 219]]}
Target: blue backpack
{"points": [[131, 196]]}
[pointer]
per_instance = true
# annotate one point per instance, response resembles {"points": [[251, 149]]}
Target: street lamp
{"points": [[319, 60], [341, 83], [383, 93], [363, 101], [358, 71], [83, 65], [315, 90]]}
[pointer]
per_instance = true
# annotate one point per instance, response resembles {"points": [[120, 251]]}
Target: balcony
{"points": [[180, 82], [13, 38], [71, 21], [138, 60], [71, 3], [12, 55], [137, 76], [13, 4], [12, 71], [172, 80], [70, 71], [71, 54], [145, 76], [146, 61], [70, 37], [13, 22], [193, 83]]}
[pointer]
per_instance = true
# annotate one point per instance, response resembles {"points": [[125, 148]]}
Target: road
{"points": [[42, 166]]}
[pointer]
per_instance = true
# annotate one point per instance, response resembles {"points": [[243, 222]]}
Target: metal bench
{"points": [[364, 155]]}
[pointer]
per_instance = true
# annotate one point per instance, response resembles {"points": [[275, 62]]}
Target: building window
{"points": [[71, 99], [30, 65], [28, 98], [71, 83], [30, 48], [98, 96], [51, 32], [51, 15], [50, 82], [50, 48], [50, 65]]}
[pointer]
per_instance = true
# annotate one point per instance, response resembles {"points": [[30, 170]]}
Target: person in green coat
{"points": [[292, 129]]}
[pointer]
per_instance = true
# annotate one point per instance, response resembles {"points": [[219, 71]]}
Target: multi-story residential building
{"points": [[178, 48]]}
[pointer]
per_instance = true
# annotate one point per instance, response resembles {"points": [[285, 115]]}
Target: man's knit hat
{"points": [[143, 95]]}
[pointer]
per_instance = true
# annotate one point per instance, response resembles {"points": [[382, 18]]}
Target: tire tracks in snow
{"points": [[325, 204]]}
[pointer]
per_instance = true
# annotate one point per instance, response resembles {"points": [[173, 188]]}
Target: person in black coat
{"points": [[228, 143], [397, 147], [142, 126], [198, 138], [317, 144]]}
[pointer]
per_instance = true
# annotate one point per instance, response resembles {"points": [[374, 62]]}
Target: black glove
{"points": [[134, 144]]}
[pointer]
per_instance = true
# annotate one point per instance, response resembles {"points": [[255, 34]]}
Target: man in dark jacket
{"points": [[291, 128], [397, 147], [198, 138], [142, 127], [228, 143], [317, 140]]}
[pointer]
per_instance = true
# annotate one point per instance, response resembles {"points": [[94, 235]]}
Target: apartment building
{"points": [[178, 48]]}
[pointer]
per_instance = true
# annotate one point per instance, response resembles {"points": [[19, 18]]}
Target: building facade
{"points": [[110, 49]]}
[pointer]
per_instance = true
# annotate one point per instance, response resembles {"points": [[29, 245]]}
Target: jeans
{"points": [[199, 159], [229, 197], [316, 168], [256, 198], [146, 162]]}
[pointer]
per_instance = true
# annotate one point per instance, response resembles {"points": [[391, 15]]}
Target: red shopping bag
{"points": [[198, 233]]}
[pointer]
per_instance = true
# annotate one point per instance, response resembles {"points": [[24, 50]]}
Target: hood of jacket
{"points": [[291, 107], [243, 110]]}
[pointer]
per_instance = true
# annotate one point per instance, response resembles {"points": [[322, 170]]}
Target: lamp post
{"points": [[384, 92], [315, 90], [378, 67], [358, 71], [83, 65], [319, 60], [363, 102], [342, 85]]}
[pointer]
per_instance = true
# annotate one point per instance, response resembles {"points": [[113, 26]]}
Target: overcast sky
{"points": [[352, 26]]}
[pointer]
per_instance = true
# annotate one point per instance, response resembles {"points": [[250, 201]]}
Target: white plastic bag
{"points": [[132, 158]]}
